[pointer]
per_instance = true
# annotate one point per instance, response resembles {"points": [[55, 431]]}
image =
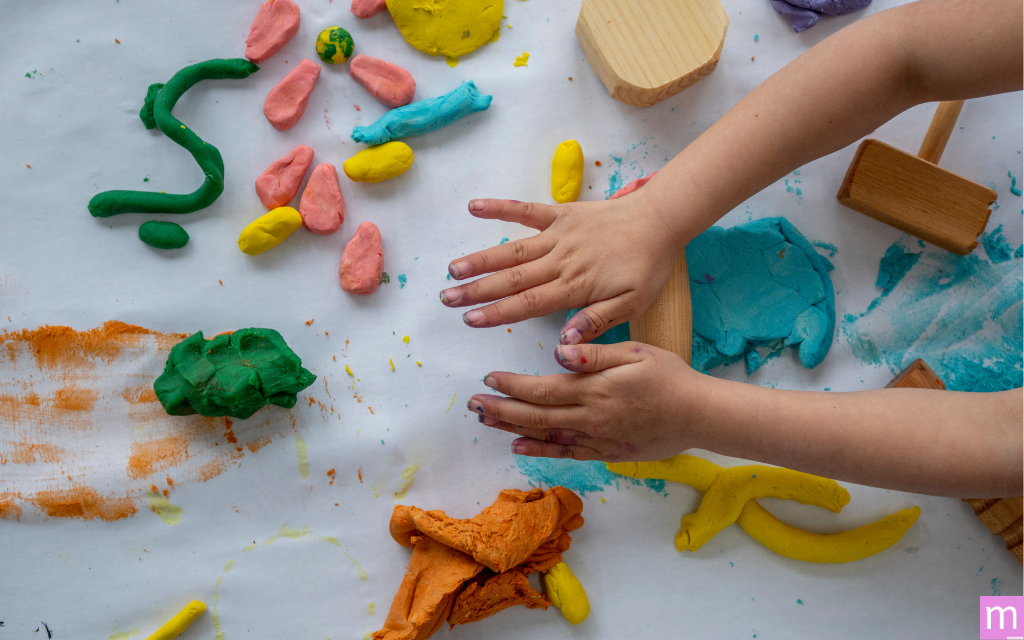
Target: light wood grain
{"points": [[647, 50], [1004, 516], [668, 322], [916, 196], [939, 130]]}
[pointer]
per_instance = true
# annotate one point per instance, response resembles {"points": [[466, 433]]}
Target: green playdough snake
{"points": [[156, 112]]}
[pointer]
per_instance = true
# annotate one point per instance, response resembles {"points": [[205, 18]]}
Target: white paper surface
{"points": [[74, 120]]}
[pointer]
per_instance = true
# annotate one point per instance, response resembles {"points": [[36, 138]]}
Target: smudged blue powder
{"points": [[996, 247], [1019, 253], [402, 280], [580, 477], [997, 587], [615, 179], [895, 264]]}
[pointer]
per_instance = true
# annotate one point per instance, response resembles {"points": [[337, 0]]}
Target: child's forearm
{"points": [[834, 94], [935, 442]]}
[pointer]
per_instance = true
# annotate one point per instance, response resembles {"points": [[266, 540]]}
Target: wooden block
{"points": [[1004, 516], [668, 322], [916, 196], [647, 50]]}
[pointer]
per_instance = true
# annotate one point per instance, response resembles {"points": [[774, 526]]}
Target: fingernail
{"points": [[472, 317], [572, 336], [566, 353], [458, 268], [474, 405], [488, 421], [450, 296], [518, 449], [476, 205], [491, 382]]}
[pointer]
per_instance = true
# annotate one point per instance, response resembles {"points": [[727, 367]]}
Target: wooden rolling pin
{"points": [[668, 322]]}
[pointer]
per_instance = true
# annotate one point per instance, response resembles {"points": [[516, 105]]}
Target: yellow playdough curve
{"points": [[566, 593], [269, 230], [449, 28], [567, 172], [176, 625], [382, 162], [779, 537]]}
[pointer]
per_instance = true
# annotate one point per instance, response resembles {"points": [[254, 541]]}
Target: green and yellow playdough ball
{"points": [[334, 45]]}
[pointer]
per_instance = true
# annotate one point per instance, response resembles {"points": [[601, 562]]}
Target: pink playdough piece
{"points": [[287, 101], [274, 25], [367, 8], [362, 262], [280, 182], [322, 207], [389, 83], [632, 186]]}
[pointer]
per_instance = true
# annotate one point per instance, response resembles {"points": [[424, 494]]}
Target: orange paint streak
{"points": [[228, 433], [59, 347], [258, 443], [154, 455], [83, 501], [9, 509], [27, 453], [140, 395], [74, 399], [211, 469], [360, 472]]}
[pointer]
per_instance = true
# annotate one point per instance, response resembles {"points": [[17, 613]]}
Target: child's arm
{"points": [[616, 255], [630, 401]]}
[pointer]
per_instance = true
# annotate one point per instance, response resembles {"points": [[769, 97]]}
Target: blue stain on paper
{"points": [[615, 178], [997, 248], [578, 476], [997, 587], [960, 314]]}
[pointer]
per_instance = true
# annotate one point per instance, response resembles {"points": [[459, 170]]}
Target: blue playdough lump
{"points": [[424, 116]]}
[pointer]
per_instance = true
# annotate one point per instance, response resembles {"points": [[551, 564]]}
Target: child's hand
{"points": [[627, 402], [610, 255]]}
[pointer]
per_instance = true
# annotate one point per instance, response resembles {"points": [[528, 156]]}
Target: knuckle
{"points": [[567, 451], [530, 300], [543, 393], [514, 277], [517, 251]]}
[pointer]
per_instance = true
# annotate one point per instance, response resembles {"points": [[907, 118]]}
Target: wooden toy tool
{"points": [[914, 194], [668, 322], [1002, 516], [647, 50]]}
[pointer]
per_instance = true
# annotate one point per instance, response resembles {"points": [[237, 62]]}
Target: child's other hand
{"points": [[626, 402], [614, 256]]}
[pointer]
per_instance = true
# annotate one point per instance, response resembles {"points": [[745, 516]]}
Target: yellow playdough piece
{"points": [[382, 162], [566, 593], [522, 60], [269, 230], [176, 625], [567, 172], [779, 537], [449, 28]]}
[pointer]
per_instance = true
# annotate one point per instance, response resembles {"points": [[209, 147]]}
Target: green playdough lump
{"points": [[156, 112], [231, 375], [163, 235]]}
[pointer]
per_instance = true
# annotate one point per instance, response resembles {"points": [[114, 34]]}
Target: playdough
{"points": [[566, 593], [163, 235], [269, 230], [520, 533], [424, 116], [450, 28], [322, 208], [280, 182], [181, 620], [368, 8], [389, 83], [632, 186], [287, 101], [804, 14], [231, 375], [274, 25], [362, 261], [379, 163], [156, 112], [761, 525], [567, 172], [334, 45]]}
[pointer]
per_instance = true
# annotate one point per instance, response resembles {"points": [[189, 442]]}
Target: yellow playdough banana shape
{"points": [[382, 162], [176, 625], [449, 28], [269, 230], [779, 537], [567, 172], [566, 593]]}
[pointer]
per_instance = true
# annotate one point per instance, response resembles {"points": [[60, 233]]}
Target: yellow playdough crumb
{"points": [[382, 162], [348, 370], [567, 172], [405, 339], [269, 230], [521, 60], [392, 364], [566, 593], [176, 625], [419, 364], [452, 62]]}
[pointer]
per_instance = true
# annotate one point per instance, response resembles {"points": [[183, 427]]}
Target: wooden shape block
{"points": [[647, 50], [1004, 517], [916, 196], [668, 322]]}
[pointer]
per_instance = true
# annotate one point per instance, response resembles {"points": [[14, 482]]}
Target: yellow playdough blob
{"points": [[176, 625], [566, 593], [374, 164], [567, 172], [269, 230], [449, 28]]}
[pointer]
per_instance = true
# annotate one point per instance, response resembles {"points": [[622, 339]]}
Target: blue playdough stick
{"points": [[424, 116]]}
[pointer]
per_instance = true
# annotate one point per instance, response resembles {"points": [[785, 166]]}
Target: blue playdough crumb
{"points": [[402, 280], [503, 241], [827, 246], [1013, 184]]}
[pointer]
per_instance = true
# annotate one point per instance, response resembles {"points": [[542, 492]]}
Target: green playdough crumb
{"points": [[163, 235], [231, 375]]}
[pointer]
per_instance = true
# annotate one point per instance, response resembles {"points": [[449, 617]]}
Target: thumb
{"points": [[590, 358], [590, 322]]}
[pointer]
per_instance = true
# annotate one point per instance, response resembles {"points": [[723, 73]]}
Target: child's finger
{"points": [[539, 449], [530, 303], [530, 214], [593, 320], [588, 358], [555, 390], [500, 257], [557, 436], [524, 414], [501, 284]]}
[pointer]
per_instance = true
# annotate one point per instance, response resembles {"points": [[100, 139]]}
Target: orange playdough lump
{"points": [[362, 263]]}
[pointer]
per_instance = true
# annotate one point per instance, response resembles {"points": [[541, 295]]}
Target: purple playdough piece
{"points": [[804, 14]]}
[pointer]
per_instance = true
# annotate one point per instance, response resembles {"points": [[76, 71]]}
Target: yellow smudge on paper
{"points": [[227, 567], [161, 506], [287, 532], [368, 636], [408, 478], [124, 635], [405, 339], [371, 607], [214, 616], [451, 403], [392, 364], [331, 539], [249, 547], [452, 62], [300, 448], [521, 60], [362, 574]]}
